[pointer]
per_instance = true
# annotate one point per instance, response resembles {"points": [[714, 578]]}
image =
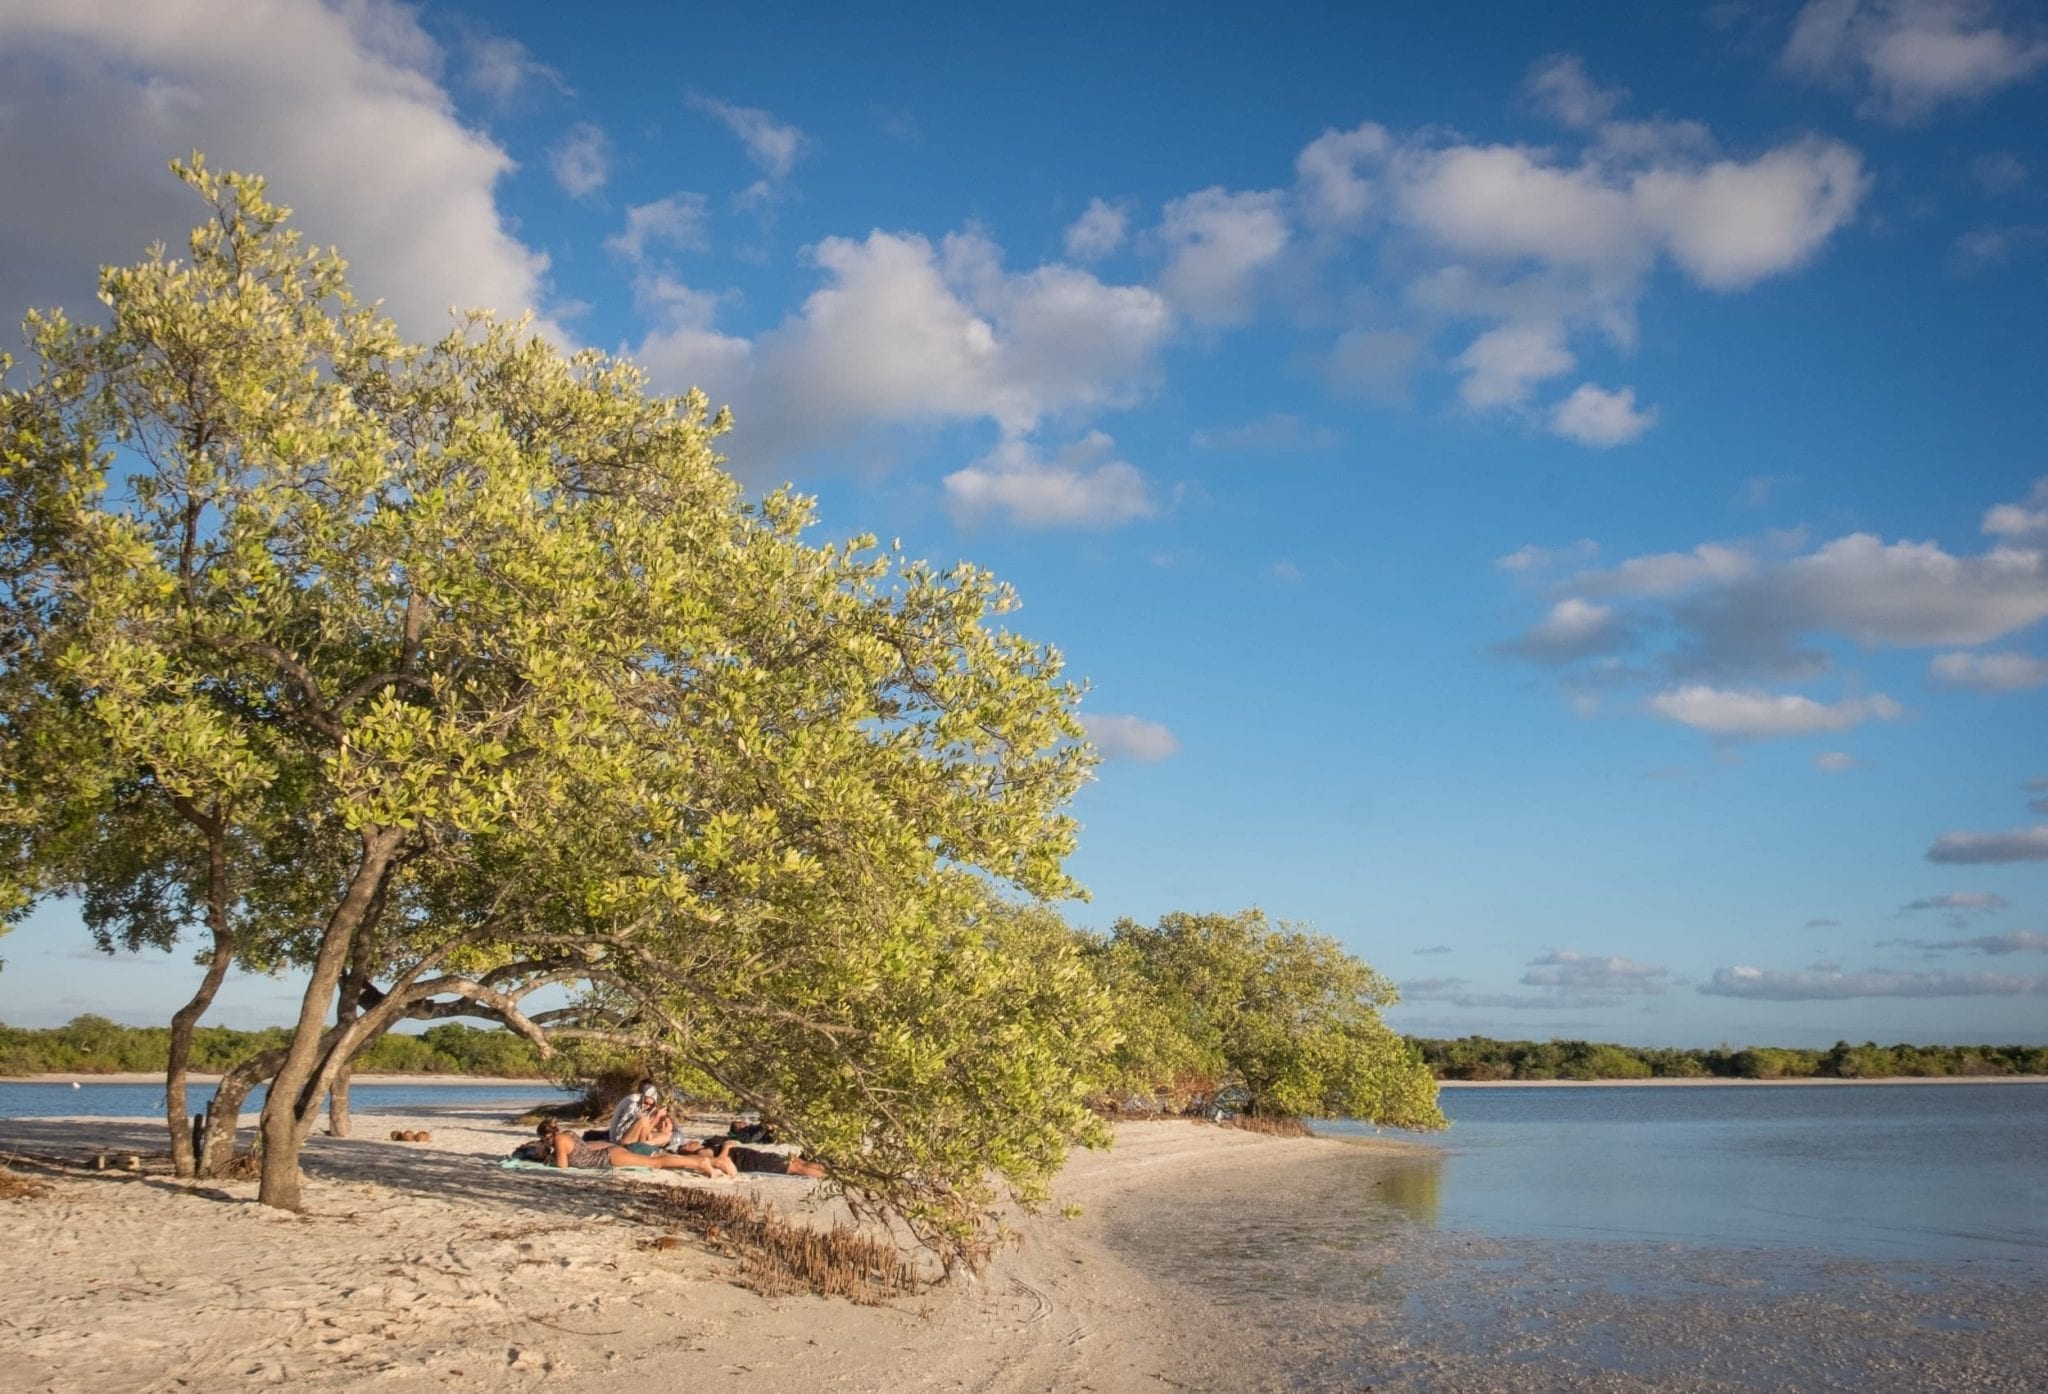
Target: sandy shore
{"points": [[1198, 1258], [428, 1266]]}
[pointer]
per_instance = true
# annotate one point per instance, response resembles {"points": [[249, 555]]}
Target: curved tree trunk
{"points": [[217, 1137], [183, 1161], [184, 1145], [287, 1112]]}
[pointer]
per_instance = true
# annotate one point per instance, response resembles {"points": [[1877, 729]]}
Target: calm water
{"points": [[147, 1100], [1854, 1240], [1922, 1172]]}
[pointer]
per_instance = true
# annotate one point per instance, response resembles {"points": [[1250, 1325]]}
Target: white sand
{"points": [[427, 1266]]}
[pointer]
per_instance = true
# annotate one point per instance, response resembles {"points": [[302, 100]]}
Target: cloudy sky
{"points": [[1559, 505]]}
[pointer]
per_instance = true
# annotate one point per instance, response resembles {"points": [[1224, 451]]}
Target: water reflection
{"points": [[1415, 1189]]}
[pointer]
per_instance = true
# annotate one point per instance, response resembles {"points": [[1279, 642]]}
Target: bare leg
{"points": [[654, 1128], [699, 1162]]}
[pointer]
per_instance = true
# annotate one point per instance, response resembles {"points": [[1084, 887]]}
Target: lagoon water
{"points": [[40, 1100], [1857, 1238], [1896, 1171]]}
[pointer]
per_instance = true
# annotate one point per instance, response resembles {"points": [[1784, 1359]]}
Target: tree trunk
{"points": [[337, 1103], [287, 1112], [184, 1162], [217, 1146]]}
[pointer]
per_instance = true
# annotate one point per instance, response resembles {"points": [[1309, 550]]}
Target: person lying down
{"points": [[558, 1146], [755, 1158]]}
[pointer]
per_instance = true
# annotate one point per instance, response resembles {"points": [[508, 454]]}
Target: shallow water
{"points": [[1929, 1172], [26, 1100], [1867, 1239]]}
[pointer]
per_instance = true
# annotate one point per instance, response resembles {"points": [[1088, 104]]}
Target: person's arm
{"points": [[564, 1145]]}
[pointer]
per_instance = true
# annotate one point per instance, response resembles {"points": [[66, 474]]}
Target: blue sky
{"points": [[1551, 496]]}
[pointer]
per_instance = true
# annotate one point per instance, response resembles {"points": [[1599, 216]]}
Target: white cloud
{"points": [[501, 68], [1910, 593], [1732, 224], [1129, 738], [1745, 715], [1912, 57], [1834, 762], [1269, 434], [1333, 193], [1099, 230], [1668, 573], [1566, 969], [1530, 557], [1772, 986], [1999, 172], [1559, 86], [339, 107], [685, 350], [1218, 242], [773, 146], [2016, 941], [903, 332], [1503, 365], [581, 160], [1082, 486], [2021, 523], [1504, 202], [1968, 902], [676, 221], [1989, 672], [1573, 629], [1991, 849], [1374, 363], [1594, 416]]}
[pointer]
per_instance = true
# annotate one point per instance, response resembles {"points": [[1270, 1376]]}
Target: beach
{"points": [[427, 1266], [1189, 1256]]}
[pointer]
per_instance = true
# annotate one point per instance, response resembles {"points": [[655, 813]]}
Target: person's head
{"points": [[647, 1092], [548, 1127]]}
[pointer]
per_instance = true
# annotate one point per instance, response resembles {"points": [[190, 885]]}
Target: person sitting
{"points": [[640, 1122], [561, 1147]]}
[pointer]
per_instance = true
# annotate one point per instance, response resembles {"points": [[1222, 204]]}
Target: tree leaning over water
{"points": [[1215, 1004], [446, 673]]}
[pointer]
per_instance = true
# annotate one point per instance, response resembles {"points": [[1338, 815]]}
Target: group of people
{"points": [[644, 1134]]}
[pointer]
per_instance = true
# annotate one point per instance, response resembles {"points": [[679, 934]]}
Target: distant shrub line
{"points": [[1482, 1058], [95, 1045]]}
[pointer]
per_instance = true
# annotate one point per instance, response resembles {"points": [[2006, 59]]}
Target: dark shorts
{"points": [[645, 1149], [754, 1159]]}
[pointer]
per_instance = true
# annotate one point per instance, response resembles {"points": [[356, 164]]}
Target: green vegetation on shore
{"points": [[1481, 1058], [95, 1045]]}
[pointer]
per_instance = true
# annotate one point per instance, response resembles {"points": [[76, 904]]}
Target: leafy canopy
{"points": [[1229, 1002], [469, 670]]}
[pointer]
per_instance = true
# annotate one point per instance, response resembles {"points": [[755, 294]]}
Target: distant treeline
{"points": [[95, 1045], [1481, 1058]]}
